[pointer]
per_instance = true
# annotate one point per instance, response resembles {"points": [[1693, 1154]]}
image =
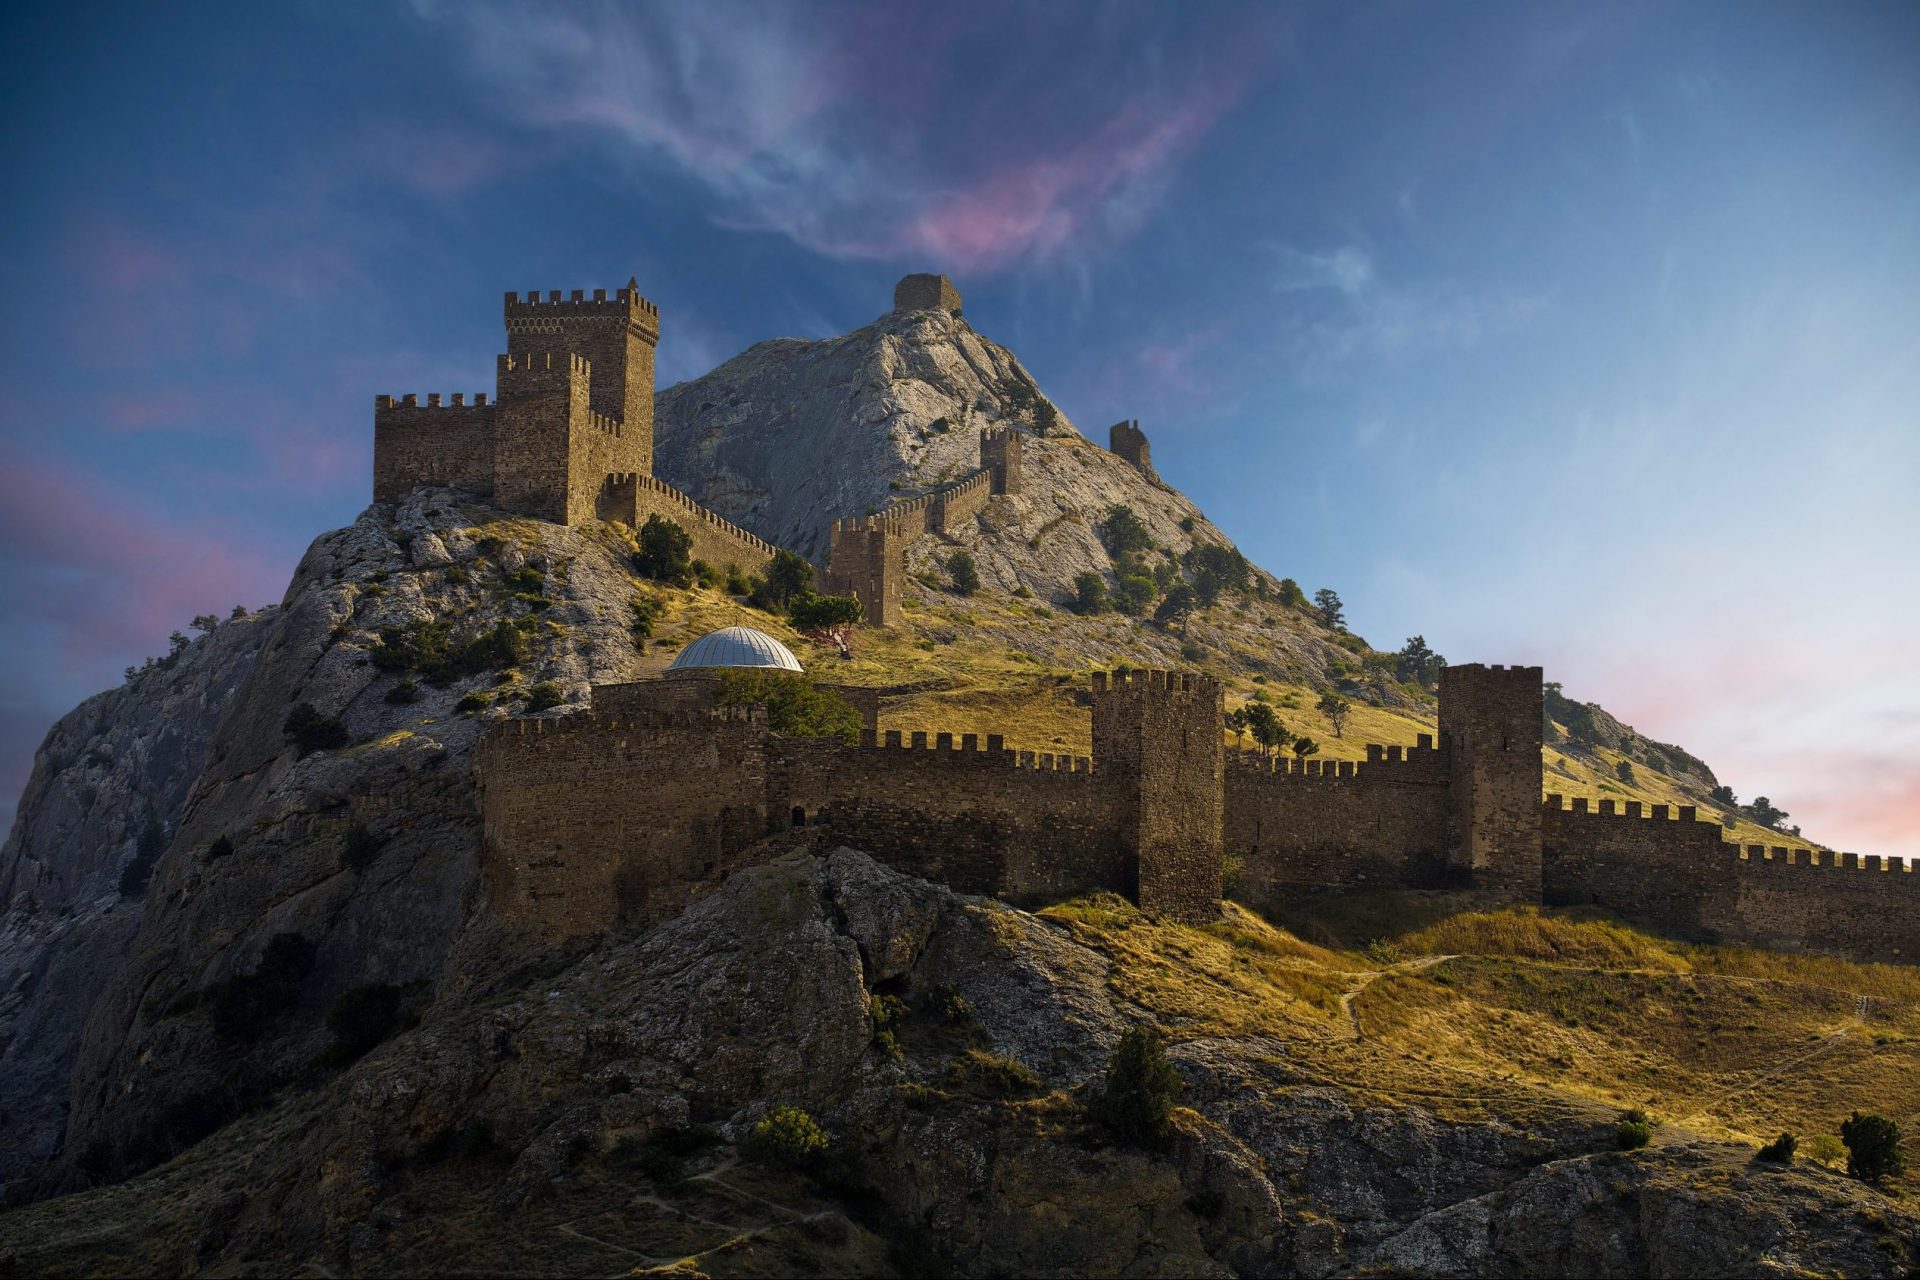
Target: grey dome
{"points": [[736, 647]]}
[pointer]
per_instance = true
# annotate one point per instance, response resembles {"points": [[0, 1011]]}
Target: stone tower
{"points": [[1158, 733], [616, 336], [1490, 725], [1000, 455], [926, 293], [1126, 440], [867, 559]]}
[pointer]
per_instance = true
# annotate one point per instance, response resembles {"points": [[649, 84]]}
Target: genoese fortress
{"points": [[651, 798]]}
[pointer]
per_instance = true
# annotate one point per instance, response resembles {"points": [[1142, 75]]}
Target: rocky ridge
{"points": [[515, 1123]]}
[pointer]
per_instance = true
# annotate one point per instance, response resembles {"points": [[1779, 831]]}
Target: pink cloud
{"points": [[111, 580], [820, 130]]}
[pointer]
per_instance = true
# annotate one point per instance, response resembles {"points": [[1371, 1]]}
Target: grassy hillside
{"points": [[997, 663], [1482, 1014]]}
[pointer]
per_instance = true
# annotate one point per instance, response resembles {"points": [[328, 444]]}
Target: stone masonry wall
{"points": [[416, 445], [631, 498], [1490, 724], [1159, 732], [983, 819], [1000, 455], [596, 821], [574, 845], [1128, 441], [1680, 876], [866, 559], [924, 292], [542, 395], [1317, 826]]}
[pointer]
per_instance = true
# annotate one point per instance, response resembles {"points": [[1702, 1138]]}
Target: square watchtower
{"points": [[1490, 725], [1158, 733]]}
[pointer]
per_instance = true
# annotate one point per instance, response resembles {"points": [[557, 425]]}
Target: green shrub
{"points": [[544, 695], [789, 1138], [360, 848], [885, 1011], [1122, 531], [457, 575], [1780, 1150], [1191, 652], [646, 612], [1634, 1131], [1133, 592], [948, 1004], [471, 702], [809, 612], [794, 705], [404, 692], [1136, 1098], [665, 552], [525, 580], [962, 574], [1089, 593], [309, 731], [362, 1018], [1873, 1147], [737, 583], [703, 573], [787, 576], [428, 647]]}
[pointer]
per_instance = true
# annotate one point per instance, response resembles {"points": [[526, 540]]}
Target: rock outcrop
{"points": [[790, 435], [595, 1112]]}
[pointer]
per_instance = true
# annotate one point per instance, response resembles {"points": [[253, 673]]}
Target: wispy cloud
{"points": [[803, 127], [1345, 308]]}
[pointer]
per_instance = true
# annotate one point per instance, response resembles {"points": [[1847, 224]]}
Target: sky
{"points": [[1570, 334]]}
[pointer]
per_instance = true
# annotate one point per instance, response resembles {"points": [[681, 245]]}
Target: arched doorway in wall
{"points": [[799, 816]]}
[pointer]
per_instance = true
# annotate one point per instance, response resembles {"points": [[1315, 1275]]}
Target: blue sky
{"points": [[1586, 335]]}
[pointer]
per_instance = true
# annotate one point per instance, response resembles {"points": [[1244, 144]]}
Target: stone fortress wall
{"points": [[574, 845], [1677, 874], [632, 812], [867, 555], [569, 434], [631, 815]]}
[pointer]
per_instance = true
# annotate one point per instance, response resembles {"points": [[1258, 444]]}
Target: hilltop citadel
{"points": [[573, 846]]}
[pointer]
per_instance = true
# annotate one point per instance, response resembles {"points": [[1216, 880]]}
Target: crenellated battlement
{"points": [[968, 748], [1156, 682], [1396, 764], [457, 400], [679, 504], [625, 302]]}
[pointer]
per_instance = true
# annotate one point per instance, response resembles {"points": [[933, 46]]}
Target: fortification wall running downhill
{"points": [[631, 497], [1668, 870]]}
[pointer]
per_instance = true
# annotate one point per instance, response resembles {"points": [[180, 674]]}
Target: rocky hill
{"points": [[598, 1116], [199, 900], [791, 434]]}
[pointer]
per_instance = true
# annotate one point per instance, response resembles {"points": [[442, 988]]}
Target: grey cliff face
{"points": [[790, 435], [108, 788]]}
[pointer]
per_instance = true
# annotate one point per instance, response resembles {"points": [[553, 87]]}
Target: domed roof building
{"points": [[734, 647]]}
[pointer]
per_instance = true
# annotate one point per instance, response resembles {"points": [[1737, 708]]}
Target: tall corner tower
{"points": [[1490, 725], [1158, 734], [617, 337]]}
